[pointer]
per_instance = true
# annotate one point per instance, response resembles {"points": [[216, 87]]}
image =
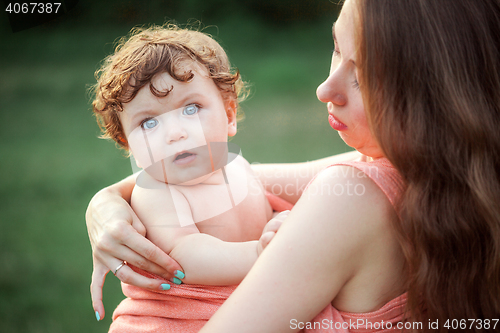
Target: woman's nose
{"points": [[331, 91]]}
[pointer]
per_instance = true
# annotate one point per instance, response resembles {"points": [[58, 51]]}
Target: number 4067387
{"points": [[33, 8]]}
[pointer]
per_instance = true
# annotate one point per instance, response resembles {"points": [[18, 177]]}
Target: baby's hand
{"points": [[270, 230]]}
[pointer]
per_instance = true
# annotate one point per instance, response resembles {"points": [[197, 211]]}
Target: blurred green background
{"points": [[52, 161]]}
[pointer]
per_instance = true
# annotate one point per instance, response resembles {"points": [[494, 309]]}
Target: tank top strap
{"points": [[383, 174]]}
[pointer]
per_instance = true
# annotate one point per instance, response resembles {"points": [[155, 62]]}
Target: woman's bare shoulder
{"points": [[351, 203], [360, 209], [352, 189]]}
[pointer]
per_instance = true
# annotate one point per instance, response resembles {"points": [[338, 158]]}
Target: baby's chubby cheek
{"points": [[139, 149]]}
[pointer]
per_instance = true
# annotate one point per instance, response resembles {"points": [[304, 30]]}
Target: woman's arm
{"points": [[117, 235], [288, 180], [326, 240]]}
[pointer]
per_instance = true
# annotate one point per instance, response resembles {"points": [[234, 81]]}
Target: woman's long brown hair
{"points": [[429, 71]]}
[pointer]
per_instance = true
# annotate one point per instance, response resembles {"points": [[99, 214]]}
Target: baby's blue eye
{"points": [[190, 110], [149, 124]]}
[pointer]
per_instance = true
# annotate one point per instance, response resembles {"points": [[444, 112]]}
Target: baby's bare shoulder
{"points": [[152, 196]]}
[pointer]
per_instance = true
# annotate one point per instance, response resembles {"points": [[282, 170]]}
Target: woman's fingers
{"points": [[123, 253], [124, 274], [98, 277], [152, 259], [122, 241], [137, 224], [117, 235], [127, 275]]}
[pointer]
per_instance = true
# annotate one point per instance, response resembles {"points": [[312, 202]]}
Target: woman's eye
{"points": [[149, 124], [355, 84], [190, 110], [335, 51]]}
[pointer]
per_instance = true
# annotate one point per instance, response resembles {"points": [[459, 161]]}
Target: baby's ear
{"points": [[231, 110]]}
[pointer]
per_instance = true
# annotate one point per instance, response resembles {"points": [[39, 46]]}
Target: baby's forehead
{"points": [[189, 75], [190, 69], [170, 93]]}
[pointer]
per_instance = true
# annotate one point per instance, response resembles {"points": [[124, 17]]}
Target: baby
{"points": [[170, 97]]}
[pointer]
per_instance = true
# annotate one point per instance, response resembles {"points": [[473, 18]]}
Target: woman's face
{"points": [[341, 90]]}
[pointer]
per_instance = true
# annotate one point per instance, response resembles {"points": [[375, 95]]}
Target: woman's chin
{"points": [[371, 150], [348, 140]]}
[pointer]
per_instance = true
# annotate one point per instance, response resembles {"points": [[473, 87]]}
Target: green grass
{"points": [[52, 162]]}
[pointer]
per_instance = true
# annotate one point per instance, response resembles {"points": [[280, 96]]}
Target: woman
{"points": [[429, 80]]}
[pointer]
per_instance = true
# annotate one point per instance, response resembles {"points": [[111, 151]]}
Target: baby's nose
{"points": [[174, 130]]}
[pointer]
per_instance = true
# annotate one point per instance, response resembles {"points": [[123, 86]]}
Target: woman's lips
{"points": [[336, 124], [184, 158]]}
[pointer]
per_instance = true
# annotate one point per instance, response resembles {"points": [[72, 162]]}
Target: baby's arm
{"points": [[204, 258]]}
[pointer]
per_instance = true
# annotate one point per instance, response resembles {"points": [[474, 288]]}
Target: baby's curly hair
{"points": [[146, 52]]}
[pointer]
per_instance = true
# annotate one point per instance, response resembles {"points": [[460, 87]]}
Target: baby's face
{"points": [[179, 138]]}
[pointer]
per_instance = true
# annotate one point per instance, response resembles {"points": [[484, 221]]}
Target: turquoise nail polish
{"points": [[165, 286], [176, 281], [179, 274], [97, 316]]}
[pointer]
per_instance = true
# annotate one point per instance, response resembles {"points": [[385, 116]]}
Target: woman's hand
{"points": [[270, 230], [117, 235]]}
